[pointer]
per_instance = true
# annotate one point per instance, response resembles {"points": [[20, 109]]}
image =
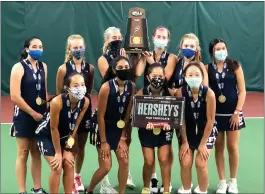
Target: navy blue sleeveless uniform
{"points": [[225, 110], [178, 81], [163, 61], [85, 125], [112, 115], [43, 131], [178, 75], [24, 125], [193, 138], [108, 58], [148, 139]]}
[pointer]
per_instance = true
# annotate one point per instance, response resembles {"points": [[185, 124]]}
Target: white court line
{"points": [[244, 118]]}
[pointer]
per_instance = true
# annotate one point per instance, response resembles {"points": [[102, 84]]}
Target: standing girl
{"points": [[199, 130], [28, 90], [115, 103], [75, 62], [112, 48], [161, 38], [226, 79], [189, 48], [151, 137]]}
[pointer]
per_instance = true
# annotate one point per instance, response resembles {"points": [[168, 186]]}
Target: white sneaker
{"points": [[222, 187], [78, 183], [197, 190], [107, 189], [162, 188], [154, 185], [74, 190], [130, 183], [184, 191], [232, 186], [181, 189]]}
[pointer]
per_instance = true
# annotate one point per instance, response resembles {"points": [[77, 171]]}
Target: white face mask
{"points": [[220, 55], [78, 92], [158, 43], [194, 82]]}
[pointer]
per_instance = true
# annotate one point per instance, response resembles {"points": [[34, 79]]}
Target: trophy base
{"points": [[136, 50]]}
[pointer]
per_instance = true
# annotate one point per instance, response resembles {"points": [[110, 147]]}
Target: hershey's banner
{"points": [[158, 109]]}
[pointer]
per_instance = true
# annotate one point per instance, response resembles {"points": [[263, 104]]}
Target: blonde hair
{"points": [[68, 54], [198, 56], [107, 34]]}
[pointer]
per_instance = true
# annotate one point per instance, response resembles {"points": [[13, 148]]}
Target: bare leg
{"points": [[165, 165], [233, 151], [54, 178], [123, 171], [82, 139], [148, 165], [185, 171], [68, 176], [35, 164], [202, 172], [103, 170], [219, 155], [23, 147]]}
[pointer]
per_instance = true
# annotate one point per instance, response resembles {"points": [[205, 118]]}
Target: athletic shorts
{"points": [[150, 140], [223, 122]]}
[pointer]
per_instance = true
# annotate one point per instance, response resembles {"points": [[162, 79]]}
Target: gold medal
{"points": [[38, 101], [121, 124], [157, 131], [222, 98], [136, 40], [70, 142]]}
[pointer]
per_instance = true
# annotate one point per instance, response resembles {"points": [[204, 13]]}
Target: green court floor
{"points": [[250, 173]]}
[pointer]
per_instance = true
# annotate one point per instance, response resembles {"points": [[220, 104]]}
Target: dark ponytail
{"points": [[165, 85], [231, 64], [24, 54], [110, 73]]}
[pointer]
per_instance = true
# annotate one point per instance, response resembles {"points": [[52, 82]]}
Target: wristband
{"points": [[103, 142], [236, 112], [68, 149]]}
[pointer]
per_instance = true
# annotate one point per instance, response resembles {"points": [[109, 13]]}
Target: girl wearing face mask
{"points": [[115, 103], [226, 79], [56, 132], [161, 37], [28, 91], [112, 49], [199, 128], [189, 48], [150, 138], [75, 62]]}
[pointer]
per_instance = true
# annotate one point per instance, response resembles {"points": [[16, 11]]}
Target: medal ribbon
{"points": [[72, 118], [74, 68], [36, 75], [150, 92], [121, 98], [161, 60], [195, 106], [220, 79]]}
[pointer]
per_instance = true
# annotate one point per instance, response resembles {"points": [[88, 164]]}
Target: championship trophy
{"points": [[136, 38]]}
